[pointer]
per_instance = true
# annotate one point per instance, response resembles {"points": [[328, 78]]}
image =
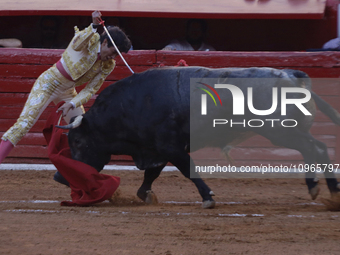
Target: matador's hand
{"points": [[96, 15]]}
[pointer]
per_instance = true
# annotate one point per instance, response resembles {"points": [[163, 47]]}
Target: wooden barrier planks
{"points": [[251, 59], [20, 67]]}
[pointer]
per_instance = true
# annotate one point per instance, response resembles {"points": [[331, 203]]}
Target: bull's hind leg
{"points": [[144, 192], [323, 159], [312, 151]]}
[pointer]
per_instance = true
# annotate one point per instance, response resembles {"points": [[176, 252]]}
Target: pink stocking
{"points": [[5, 149]]}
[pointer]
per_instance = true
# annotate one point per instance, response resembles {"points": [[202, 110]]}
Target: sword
{"points": [[101, 22]]}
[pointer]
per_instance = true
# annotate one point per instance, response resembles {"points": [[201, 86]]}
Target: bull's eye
{"points": [[76, 142]]}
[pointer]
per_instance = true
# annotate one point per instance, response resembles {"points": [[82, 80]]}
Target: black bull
{"points": [[147, 116]]}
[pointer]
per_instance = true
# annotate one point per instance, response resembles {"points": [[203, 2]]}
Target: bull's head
{"points": [[83, 143]]}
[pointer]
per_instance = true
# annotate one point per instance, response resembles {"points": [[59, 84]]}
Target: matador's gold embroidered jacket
{"points": [[80, 58]]}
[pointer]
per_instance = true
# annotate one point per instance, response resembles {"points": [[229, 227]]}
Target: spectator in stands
{"points": [[49, 28], [333, 44], [87, 59], [196, 31], [10, 43]]}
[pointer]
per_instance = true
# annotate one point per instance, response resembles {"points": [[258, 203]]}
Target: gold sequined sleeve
{"points": [[90, 89], [93, 85], [82, 37]]}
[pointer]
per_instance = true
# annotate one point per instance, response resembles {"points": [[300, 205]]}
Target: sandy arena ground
{"points": [[252, 216]]}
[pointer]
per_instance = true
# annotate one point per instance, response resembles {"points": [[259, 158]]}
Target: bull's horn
{"points": [[76, 123]]}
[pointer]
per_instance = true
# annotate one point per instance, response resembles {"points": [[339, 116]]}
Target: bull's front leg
{"points": [[144, 192]]}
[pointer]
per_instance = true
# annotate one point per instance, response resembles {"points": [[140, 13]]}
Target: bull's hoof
{"points": [[332, 204], [142, 194], [208, 204], [314, 192], [336, 192], [151, 198], [59, 178]]}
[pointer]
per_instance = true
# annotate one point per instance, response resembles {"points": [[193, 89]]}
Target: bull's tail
{"points": [[326, 108]]}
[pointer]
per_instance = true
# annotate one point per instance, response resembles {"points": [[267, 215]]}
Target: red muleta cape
{"points": [[87, 185]]}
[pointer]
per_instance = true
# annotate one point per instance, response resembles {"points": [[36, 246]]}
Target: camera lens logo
{"points": [[204, 97]]}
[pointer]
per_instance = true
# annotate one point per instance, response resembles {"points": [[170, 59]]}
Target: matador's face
{"points": [[107, 53]]}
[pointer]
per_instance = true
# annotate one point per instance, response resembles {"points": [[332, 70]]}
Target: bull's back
{"points": [[161, 93]]}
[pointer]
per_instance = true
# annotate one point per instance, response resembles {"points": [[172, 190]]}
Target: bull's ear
{"points": [[85, 124]]}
